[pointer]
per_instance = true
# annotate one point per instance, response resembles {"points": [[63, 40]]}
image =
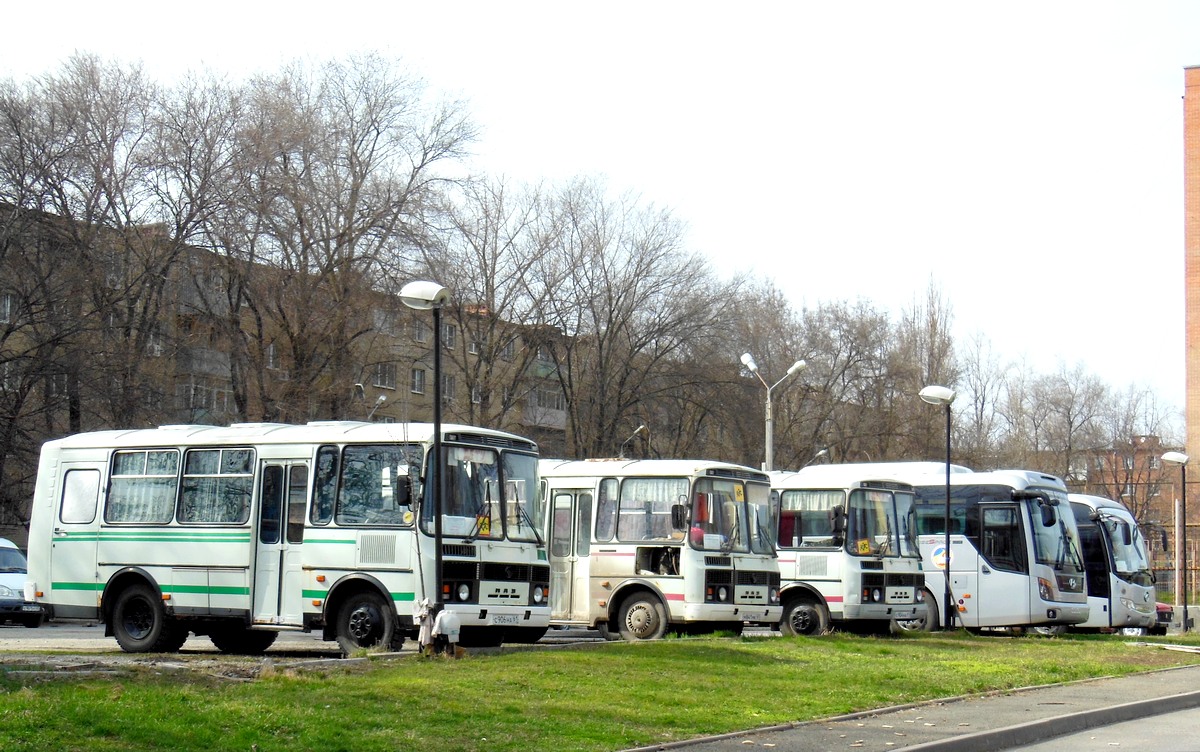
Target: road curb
{"points": [[1024, 734]]}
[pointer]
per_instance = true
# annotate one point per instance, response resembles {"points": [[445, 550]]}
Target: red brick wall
{"points": [[1191, 241]]}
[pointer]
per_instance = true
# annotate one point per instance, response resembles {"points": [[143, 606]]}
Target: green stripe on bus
{"points": [[98, 586], [350, 541], [93, 586], [181, 536]]}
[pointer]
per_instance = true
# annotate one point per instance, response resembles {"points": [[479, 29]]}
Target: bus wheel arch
{"points": [[804, 614], [360, 615], [138, 618], [641, 615]]}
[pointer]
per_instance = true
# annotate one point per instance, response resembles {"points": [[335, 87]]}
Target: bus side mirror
{"points": [[679, 517], [403, 489], [837, 516], [1048, 517], [1126, 534]]}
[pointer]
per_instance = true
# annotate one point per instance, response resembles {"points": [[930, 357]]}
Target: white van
{"points": [[13, 571]]}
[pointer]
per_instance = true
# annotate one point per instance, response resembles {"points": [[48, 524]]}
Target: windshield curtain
{"points": [[1057, 544], [806, 517], [759, 520]]}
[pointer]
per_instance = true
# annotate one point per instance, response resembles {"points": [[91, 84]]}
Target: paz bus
{"points": [[848, 552], [1014, 560], [1120, 583], [638, 547], [242, 532]]}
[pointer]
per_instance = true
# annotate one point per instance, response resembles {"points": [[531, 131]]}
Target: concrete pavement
{"points": [[977, 723]]}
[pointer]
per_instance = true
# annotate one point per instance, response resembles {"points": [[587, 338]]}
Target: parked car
{"points": [[1164, 616], [13, 606]]}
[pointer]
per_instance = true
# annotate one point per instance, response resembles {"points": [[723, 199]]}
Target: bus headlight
{"points": [[464, 591], [539, 595], [722, 593], [773, 595], [1045, 592]]}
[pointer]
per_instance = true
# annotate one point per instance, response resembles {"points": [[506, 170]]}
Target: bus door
{"points": [[278, 579], [1003, 585], [74, 575], [570, 550]]}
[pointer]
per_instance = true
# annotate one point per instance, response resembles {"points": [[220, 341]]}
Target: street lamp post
{"points": [[1181, 459], [748, 361], [940, 395], [430, 296]]}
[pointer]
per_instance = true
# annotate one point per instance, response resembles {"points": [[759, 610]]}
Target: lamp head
{"points": [[937, 395], [424, 296], [799, 365], [1175, 458], [748, 362]]}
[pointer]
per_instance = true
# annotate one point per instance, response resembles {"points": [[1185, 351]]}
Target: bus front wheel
{"points": [[140, 623], [804, 616], [364, 621], [642, 617], [927, 623]]}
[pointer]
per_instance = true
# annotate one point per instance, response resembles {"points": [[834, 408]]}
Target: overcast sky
{"points": [[1023, 157]]}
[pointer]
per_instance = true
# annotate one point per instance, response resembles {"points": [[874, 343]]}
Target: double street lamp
{"points": [[430, 296], [1181, 459], [748, 361], [941, 395]]}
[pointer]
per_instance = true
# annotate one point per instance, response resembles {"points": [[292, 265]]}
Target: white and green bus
{"points": [[640, 547], [242, 532]]}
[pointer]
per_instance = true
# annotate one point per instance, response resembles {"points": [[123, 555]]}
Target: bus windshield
{"points": [[880, 523], [1056, 544], [486, 497], [729, 515], [1131, 558]]}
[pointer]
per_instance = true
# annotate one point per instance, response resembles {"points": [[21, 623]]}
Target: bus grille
{"points": [[718, 577], [754, 578], [505, 572], [456, 549], [718, 561]]}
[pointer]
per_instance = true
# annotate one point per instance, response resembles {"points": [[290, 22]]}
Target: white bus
{"points": [[241, 532], [1014, 556], [848, 551], [1120, 584], [640, 546]]}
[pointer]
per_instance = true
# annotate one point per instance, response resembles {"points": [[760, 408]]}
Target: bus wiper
{"points": [[524, 514], [887, 538]]}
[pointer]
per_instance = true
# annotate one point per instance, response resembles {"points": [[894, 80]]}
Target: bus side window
{"points": [[324, 485], [81, 490]]}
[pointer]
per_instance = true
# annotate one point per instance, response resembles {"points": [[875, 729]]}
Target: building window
{"points": [[385, 375], [448, 384], [271, 355], [420, 330], [1155, 462], [8, 307], [476, 395], [474, 346], [549, 399], [509, 351], [417, 381], [449, 335]]}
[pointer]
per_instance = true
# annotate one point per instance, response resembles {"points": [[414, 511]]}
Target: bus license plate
{"points": [[508, 619]]}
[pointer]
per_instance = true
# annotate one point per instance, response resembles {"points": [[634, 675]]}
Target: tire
{"points": [[1133, 631], [33, 622], [364, 621], [804, 617], [1056, 630], [642, 617], [242, 641], [927, 623], [607, 633], [140, 623]]}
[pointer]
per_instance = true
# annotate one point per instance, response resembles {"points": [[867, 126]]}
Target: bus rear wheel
{"points": [[642, 617], [364, 621], [927, 623], [804, 617], [140, 623]]}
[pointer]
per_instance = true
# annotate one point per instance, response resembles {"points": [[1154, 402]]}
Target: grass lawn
{"points": [[592, 697]]}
